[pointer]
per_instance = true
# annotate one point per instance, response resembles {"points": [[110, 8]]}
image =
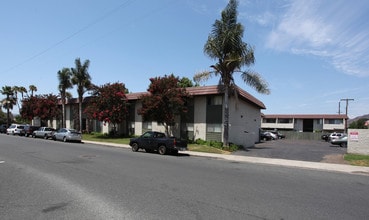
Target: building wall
{"points": [[358, 141], [138, 119], [298, 125], [244, 123], [200, 117]]}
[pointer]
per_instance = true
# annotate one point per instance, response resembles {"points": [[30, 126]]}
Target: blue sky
{"points": [[312, 53]]}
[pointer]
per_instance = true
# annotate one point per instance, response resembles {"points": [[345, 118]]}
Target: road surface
{"points": [[43, 179]]}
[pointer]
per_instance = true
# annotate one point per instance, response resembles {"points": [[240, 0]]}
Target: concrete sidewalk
{"points": [[270, 161]]}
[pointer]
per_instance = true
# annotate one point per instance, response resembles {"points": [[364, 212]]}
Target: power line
{"points": [[94, 22]]}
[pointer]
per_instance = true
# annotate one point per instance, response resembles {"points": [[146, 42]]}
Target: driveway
{"points": [[304, 150]]}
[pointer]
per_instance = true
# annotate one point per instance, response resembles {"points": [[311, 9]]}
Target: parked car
{"points": [[266, 136], [325, 137], [342, 141], [29, 129], [15, 129], [279, 135], [152, 141], [66, 134], [335, 135], [43, 132], [3, 128]]}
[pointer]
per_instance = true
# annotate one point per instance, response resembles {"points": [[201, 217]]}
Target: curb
{"points": [[342, 168]]}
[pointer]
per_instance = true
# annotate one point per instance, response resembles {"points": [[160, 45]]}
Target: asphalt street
{"points": [[43, 179], [302, 150]]}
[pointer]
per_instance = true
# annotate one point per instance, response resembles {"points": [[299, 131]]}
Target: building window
{"points": [[189, 126], [146, 125], [269, 120], [333, 121], [285, 120], [215, 100], [214, 128]]}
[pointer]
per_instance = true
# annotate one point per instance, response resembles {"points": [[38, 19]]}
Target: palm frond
{"points": [[202, 76], [254, 80]]}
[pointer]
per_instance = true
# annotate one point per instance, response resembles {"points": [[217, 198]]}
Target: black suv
{"points": [[28, 130]]}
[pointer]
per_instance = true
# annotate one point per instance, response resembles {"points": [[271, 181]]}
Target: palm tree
{"points": [[225, 45], [32, 89], [82, 79], [64, 77], [8, 102], [21, 90]]}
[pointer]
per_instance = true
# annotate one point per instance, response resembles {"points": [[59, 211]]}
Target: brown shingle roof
{"points": [[306, 116], [208, 90]]}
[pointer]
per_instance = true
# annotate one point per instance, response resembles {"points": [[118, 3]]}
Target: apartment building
{"points": [[304, 122]]}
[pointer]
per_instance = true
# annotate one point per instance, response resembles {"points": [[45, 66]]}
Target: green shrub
{"points": [[234, 147], [199, 141], [216, 144]]}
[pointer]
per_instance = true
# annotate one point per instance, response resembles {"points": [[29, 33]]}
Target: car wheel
{"points": [[135, 147], [162, 150], [45, 137], [343, 145], [64, 139]]}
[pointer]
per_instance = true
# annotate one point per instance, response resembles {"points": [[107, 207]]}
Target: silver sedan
{"points": [[66, 134]]}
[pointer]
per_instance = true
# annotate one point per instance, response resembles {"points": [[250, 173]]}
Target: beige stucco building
{"points": [[305, 122], [204, 120]]}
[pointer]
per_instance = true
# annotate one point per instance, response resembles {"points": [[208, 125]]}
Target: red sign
{"points": [[354, 136]]}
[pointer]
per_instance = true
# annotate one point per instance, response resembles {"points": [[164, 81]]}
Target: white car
{"points": [[335, 135], [15, 129]]}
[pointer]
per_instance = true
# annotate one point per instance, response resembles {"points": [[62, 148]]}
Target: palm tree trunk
{"points": [[64, 124], [226, 117], [80, 114]]}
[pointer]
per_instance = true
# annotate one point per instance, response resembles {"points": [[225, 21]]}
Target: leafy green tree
{"points": [[82, 79], [9, 102], [359, 124], [225, 45], [165, 101], [108, 104], [185, 82], [65, 82], [3, 118]]}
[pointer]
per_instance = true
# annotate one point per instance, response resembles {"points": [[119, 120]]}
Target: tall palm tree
{"points": [[21, 90], [82, 79], [64, 77], [8, 102], [32, 89], [225, 45]]}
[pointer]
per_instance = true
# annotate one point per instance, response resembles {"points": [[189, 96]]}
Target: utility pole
{"points": [[347, 100]]}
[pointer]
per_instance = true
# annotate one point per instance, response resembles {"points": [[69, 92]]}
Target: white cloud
{"points": [[333, 30]]}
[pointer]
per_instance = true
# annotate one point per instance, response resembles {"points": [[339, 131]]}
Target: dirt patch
{"points": [[334, 158]]}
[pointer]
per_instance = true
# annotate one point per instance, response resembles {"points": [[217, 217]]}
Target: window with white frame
{"points": [[215, 100], [333, 121], [147, 125], [190, 127], [215, 128]]}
